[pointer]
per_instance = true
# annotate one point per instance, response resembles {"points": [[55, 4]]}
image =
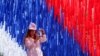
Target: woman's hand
{"points": [[43, 32]]}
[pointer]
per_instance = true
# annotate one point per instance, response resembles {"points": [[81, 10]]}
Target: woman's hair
{"points": [[28, 34]]}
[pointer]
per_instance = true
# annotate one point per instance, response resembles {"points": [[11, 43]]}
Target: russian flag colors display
{"points": [[72, 26]]}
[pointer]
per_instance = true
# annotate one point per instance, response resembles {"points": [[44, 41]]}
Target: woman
{"points": [[33, 41]]}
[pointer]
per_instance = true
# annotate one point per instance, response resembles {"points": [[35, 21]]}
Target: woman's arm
{"points": [[28, 43], [43, 37]]}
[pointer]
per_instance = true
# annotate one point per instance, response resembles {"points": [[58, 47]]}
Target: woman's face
{"points": [[32, 32]]}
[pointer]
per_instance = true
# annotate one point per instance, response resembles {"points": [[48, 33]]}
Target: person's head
{"points": [[31, 33]]}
